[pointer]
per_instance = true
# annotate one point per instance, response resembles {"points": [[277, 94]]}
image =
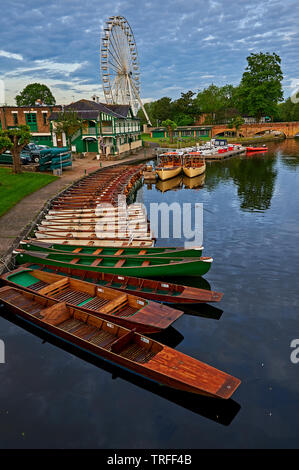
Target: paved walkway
{"points": [[15, 221]]}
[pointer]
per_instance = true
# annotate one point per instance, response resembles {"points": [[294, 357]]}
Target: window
{"points": [[15, 119], [45, 121]]}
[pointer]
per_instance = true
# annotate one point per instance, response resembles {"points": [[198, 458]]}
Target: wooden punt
{"points": [[117, 242], [139, 267], [94, 228], [118, 345], [170, 165], [194, 164], [159, 291], [94, 235], [161, 252], [123, 309]]}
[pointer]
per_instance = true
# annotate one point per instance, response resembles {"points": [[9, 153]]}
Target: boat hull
{"points": [[191, 172], [179, 267], [167, 173], [157, 362], [149, 289]]}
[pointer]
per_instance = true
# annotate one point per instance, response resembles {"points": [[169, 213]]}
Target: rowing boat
{"points": [[194, 164], [117, 242], [121, 346], [150, 289], [115, 234], [170, 165], [139, 267], [33, 245], [126, 310]]}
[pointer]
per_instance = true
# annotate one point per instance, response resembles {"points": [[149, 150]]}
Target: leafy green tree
{"points": [[34, 92], [185, 108], [236, 123], [162, 109], [15, 140], [170, 126], [260, 89], [67, 122], [213, 100], [288, 111]]}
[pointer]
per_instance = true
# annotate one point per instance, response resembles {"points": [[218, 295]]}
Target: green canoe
{"points": [[139, 267], [160, 252]]}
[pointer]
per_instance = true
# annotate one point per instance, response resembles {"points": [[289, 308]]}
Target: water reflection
{"points": [[220, 411], [171, 184], [255, 178], [194, 183]]}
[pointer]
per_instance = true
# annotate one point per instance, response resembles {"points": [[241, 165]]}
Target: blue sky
{"points": [[182, 44]]}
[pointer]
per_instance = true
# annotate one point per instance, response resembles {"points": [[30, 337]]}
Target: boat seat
{"points": [[119, 252], [98, 251], [96, 262], [145, 263], [142, 252], [75, 260], [120, 263], [77, 250]]}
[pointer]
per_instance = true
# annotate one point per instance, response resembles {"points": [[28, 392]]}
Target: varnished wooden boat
{"points": [[170, 165], [161, 252], [119, 345], [112, 235], [123, 309], [139, 267], [160, 291], [117, 242], [194, 164]]}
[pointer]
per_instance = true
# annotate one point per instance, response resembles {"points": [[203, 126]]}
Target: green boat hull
{"points": [[157, 267], [171, 252]]}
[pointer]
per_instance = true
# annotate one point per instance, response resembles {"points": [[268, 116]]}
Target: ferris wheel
{"points": [[120, 65]]}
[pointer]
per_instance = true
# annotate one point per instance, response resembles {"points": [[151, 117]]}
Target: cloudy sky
{"points": [[182, 44]]}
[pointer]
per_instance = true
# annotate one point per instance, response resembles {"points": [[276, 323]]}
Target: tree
{"points": [[236, 123], [288, 111], [170, 126], [18, 138], [260, 88], [212, 100], [185, 109], [34, 92], [162, 109], [5, 142], [68, 122]]}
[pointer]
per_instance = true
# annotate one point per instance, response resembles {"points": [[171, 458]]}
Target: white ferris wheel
{"points": [[120, 65]]}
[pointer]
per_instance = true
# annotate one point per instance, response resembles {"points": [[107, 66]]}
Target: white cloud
{"points": [[47, 65], [10, 55], [209, 38]]}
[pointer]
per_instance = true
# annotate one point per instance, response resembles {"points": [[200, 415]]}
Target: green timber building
{"points": [[110, 130]]}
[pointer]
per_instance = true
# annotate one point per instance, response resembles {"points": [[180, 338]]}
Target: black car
{"points": [[32, 152]]}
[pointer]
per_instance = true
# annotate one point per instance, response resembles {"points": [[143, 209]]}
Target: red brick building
{"points": [[36, 117]]}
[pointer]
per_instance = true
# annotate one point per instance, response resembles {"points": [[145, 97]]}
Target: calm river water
{"points": [[53, 396]]}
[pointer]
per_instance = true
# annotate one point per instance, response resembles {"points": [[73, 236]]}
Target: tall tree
{"points": [[212, 100], [260, 89], [18, 137], [34, 92], [67, 122], [236, 123], [162, 109], [170, 126]]}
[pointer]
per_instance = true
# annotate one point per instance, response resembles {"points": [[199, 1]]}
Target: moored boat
{"points": [[117, 242], [169, 166], [159, 291], [121, 346], [194, 164], [123, 309], [34, 245], [139, 267], [257, 149]]}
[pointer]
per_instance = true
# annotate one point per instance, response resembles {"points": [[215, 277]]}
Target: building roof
{"points": [[87, 109]]}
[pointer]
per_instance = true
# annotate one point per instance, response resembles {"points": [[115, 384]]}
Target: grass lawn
{"points": [[13, 188]]}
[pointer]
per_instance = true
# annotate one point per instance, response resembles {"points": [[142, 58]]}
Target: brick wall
{"points": [[7, 116]]}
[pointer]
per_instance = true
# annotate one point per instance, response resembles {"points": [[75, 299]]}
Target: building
{"points": [[183, 131], [112, 131], [36, 117]]}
